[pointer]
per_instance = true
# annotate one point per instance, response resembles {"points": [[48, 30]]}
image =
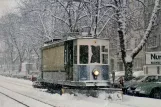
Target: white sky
{"points": [[7, 6]]}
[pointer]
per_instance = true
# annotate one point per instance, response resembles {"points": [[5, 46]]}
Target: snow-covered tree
{"points": [[121, 16], [14, 41]]}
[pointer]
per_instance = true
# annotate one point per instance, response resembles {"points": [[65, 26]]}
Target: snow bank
{"points": [[67, 100]]}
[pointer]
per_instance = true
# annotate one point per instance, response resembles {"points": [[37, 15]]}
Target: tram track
{"points": [[15, 99], [35, 99], [70, 90], [26, 105], [91, 92]]}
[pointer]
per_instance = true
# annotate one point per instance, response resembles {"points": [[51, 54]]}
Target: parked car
{"points": [[38, 83], [129, 85], [117, 81], [33, 76], [118, 74], [132, 85], [150, 89]]}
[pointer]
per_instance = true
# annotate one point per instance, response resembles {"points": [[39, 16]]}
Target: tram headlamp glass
{"points": [[96, 72]]}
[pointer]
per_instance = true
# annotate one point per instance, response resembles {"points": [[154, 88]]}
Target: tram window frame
{"points": [[75, 54], [95, 56], [104, 54], [82, 54], [104, 49]]}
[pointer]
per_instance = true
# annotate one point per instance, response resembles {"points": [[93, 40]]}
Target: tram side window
{"points": [[105, 54], [105, 58], [75, 54], [83, 54], [104, 49], [95, 54]]}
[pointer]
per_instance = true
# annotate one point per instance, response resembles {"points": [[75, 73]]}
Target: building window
{"points": [[152, 42], [137, 40], [120, 66], [150, 2], [146, 70], [128, 46], [158, 70], [159, 40], [112, 64], [156, 21], [138, 63]]}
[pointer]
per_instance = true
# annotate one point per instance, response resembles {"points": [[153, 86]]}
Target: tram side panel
{"points": [[53, 64]]}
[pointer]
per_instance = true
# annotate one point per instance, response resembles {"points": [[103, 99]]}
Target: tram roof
{"points": [[61, 41]]}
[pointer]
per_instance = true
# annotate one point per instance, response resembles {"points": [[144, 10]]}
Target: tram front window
{"points": [[105, 54], [83, 54], [95, 58], [105, 58]]}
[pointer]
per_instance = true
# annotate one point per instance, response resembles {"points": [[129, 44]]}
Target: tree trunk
{"points": [[20, 65], [38, 63], [12, 67], [128, 71]]}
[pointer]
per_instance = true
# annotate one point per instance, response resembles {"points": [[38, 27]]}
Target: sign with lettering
{"points": [[153, 58]]}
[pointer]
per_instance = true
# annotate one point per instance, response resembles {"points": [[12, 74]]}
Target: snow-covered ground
{"points": [[66, 100], [6, 102]]}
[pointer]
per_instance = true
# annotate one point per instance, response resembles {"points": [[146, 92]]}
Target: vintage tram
{"points": [[76, 62]]}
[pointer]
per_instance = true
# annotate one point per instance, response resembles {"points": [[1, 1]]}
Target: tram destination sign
{"points": [[153, 58]]}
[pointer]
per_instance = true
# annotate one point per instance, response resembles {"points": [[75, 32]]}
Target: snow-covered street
{"points": [[23, 91], [6, 102]]}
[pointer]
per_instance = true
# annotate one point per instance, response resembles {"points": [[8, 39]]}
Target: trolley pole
{"points": [[96, 18]]}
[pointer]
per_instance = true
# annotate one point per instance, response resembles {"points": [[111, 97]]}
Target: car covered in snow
{"points": [[38, 82], [130, 88], [116, 83], [33, 76], [118, 76], [150, 89]]}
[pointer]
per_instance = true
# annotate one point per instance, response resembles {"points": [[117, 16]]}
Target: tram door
{"points": [[68, 53]]}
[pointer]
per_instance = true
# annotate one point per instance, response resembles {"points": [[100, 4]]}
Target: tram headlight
{"points": [[96, 72]]}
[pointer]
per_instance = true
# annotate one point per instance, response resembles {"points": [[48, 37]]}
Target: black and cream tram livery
{"points": [[80, 62]]}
